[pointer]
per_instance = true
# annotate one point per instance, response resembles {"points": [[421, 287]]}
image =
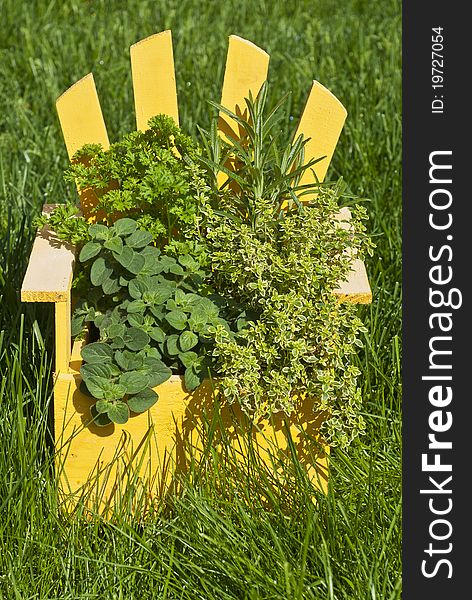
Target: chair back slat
{"points": [[246, 71], [322, 120], [81, 117], [155, 92], [152, 66], [82, 122]]}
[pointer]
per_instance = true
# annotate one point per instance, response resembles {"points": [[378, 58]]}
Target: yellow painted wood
{"points": [[48, 277], [75, 357], [152, 66], [156, 446], [82, 123], [81, 117], [246, 70], [63, 335], [356, 288], [322, 120]]}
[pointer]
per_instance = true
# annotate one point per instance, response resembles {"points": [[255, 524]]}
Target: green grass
{"points": [[206, 544]]}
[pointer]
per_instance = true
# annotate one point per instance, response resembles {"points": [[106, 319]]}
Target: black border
{"points": [[424, 132]]}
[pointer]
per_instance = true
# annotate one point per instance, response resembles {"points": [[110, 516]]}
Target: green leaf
{"points": [[90, 316], [77, 324], [152, 265], [171, 304], [103, 406], [98, 231], [191, 380], [181, 297], [134, 381], [118, 343], [187, 340], [136, 339], [125, 257], [119, 413], [115, 244], [100, 419], [153, 352], [128, 361], [159, 283], [188, 262], [110, 286], [115, 330], [156, 370], [197, 320], [100, 271], [143, 401], [207, 307], [137, 287], [192, 299], [166, 262], [157, 311], [116, 391], [176, 319], [157, 334], [97, 386], [90, 250], [139, 239], [125, 226], [100, 321], [136, 307], [121, 359], [188, 358], [106, 370], [151, 252], [176, 270], [102, 388], [97, 352], [137, 264], [159, 294], [129, 259], [135, 319], [171, 345]]}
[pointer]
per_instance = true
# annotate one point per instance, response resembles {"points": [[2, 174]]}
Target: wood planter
{"points": [[156, 447], [153, 447]]}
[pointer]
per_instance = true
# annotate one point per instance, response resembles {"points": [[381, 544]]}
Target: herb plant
{"points": [[149, 175], [234, 279], [148, 316], [152, 176], [282, 260]]}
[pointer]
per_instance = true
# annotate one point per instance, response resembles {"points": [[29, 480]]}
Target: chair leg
{"points": [[63, 336]]}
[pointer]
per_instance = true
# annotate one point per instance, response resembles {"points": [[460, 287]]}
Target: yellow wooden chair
{"points": [[150, 448]]}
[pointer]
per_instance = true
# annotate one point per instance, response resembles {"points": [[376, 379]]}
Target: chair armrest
{"points": [[356, 288], [48, 277]]}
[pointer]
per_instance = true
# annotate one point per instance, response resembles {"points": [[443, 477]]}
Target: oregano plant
{"points": [[148, 317]]}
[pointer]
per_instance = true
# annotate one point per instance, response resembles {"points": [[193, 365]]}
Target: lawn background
{"points": [[204, 545]]}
